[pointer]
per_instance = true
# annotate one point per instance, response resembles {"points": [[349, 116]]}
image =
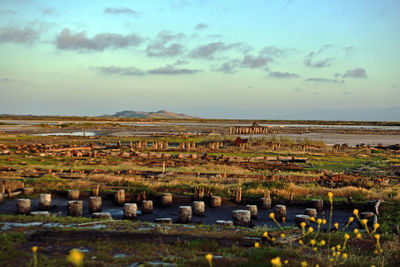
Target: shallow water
{"points": [[67, 134], [332, 138], [199, 124]]}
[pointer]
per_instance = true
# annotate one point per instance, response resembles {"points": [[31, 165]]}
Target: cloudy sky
{"points": [[225, 58]]}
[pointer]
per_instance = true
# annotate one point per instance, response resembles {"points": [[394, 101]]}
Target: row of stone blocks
{"points": [[244, 217], [95, 203], [239, 217], [119, 199], [75, 207], [215, 201], [24, 205], [45, 199], [167, 200]]}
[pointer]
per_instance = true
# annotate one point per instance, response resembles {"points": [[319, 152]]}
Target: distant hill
{"points": [[161, 114]]}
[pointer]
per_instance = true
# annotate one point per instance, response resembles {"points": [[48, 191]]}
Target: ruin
{"points": [[253, 129]]}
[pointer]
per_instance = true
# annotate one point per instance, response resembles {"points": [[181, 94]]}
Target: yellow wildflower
{"points": [[75, 257], [330, 195], [355, 212], [256, 245], [322, 243], [265, 235], [351, 219], [286, 262], [356, 231], [310, 229], [344, 256], [346, 236], [338, 247], [377, 236], [303, 264], [376, 226], [364, 221], [301, 242], [209, 258], [336, 225], [319, 221], [283, 219], [282, 235], [34, 249], [312, 219], [303, 224], [272, 215], [312, 242], [359, 236], [323, 221], [315, 249], [276, 262]]}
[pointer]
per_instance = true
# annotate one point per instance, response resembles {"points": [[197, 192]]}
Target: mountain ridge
{"points": [[161, 114]]}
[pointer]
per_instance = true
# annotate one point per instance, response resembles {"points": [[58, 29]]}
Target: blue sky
{"points": [[226, 58]]}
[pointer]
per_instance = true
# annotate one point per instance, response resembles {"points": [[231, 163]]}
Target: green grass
{"points": [[15, 247], [349, 163], [50, 219], [10, 244], [19, 137], [285, 141]]}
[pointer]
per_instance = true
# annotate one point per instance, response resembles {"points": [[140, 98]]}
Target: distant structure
{"points": [[238, 141], [254, 129]]}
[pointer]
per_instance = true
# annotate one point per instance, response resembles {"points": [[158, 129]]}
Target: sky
{"points": [[282, 59]]}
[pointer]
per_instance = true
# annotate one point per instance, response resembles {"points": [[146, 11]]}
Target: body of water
{"points": [[67, 134], [198, 124]]}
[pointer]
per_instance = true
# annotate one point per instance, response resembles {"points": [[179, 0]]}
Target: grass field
{"points": [[358, 174]]}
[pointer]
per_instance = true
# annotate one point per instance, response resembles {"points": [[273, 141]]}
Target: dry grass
{"points": [[347, 191], [253, 188], [211, 168]]}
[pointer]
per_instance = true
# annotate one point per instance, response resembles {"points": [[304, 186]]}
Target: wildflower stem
{"points": [[365, 226], [277, 223], [330, 222], [34, 250], [347, 225], [319, 221]]}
